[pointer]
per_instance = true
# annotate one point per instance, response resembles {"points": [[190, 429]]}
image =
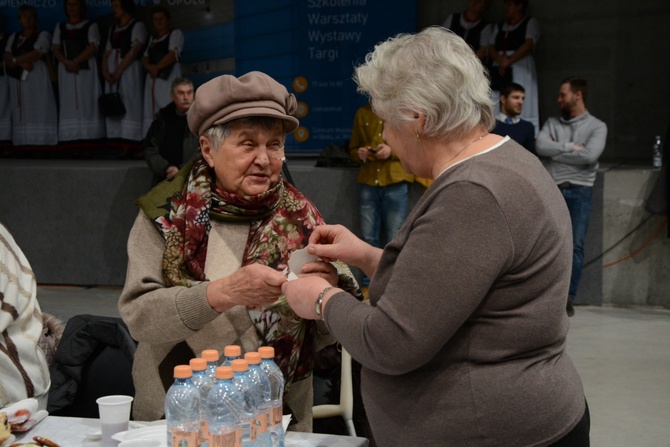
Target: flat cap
{"points": [[226, 98]]}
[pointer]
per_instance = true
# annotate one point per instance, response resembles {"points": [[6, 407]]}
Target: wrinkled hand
{"points": [[332, 242], [325, 270], [253, 285], [301, 295]]}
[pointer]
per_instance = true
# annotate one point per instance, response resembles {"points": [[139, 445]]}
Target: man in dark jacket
{"points": [[169, 144]]}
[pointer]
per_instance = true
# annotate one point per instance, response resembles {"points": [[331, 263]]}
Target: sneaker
{"points": [[569, 309]]}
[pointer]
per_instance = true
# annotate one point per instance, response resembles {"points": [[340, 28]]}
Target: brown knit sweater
{"points": [[464, 343]]}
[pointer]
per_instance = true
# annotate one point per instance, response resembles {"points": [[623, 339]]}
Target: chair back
{"points": [[345, 408], [94, 358]]}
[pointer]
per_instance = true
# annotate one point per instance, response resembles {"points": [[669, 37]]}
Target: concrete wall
{"points": [[641, 275], [620, 46], [72, 219]]}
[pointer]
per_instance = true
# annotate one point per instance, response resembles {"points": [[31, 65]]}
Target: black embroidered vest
{"points": [[122, 39], [74, 42], [19, 48], [511, 40], [471, 36], [157, 51]]}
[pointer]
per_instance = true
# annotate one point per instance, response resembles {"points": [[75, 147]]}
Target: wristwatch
{"points": [[319, 300]]}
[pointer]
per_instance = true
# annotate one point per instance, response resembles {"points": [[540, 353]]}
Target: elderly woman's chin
{"points": [[253, 185]]}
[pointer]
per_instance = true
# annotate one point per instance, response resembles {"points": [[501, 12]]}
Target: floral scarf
{"points": [[281, 221]]}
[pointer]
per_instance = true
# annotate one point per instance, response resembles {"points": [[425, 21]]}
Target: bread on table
{"points": [[5, 432]]}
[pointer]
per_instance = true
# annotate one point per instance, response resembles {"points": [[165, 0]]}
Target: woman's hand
{"points": [[325, 270], [253, 285], [301, 295], [327, 242], [152, 70], [27, 66], [71, 66], [114, 77], [331, 242]]}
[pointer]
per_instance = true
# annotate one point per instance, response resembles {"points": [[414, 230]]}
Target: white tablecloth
{"points": [[71, 432]]}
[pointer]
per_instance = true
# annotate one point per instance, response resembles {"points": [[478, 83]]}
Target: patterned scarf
{"points": [[281, 221]]}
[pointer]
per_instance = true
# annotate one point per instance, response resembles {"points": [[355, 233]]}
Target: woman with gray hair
{"points": [[207, 251], [463, 342]]}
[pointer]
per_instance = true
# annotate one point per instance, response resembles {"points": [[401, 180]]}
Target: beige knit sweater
{"points": [[176, 323]]}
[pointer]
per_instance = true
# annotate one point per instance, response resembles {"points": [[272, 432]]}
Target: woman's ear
{"points": [[206, 150], [419, 123]]}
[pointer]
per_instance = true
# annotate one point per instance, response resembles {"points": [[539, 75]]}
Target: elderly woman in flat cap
{"points": [[207, 250]]}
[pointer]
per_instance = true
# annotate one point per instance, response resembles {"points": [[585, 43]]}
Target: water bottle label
{"points": [[204, 434], [252, 429], [184, 438], [261, 423], [276, 415], [232, 439]]}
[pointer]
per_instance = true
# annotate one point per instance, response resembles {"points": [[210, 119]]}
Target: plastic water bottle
{"points": [[224, 408], [658, 153], [263, 398], [242, 379], [182, 410], [211, 356], [276, 378], [230, 353], [203, 383]]}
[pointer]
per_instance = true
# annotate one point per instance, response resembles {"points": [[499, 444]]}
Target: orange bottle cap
{"points": [[210, 355], [232, 351], [224, 372], [240, 365], [182, 372], [254, 358], [198, 364], [267, 352]]}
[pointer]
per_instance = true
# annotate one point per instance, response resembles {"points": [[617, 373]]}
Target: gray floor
{"points": [[623, 357]]}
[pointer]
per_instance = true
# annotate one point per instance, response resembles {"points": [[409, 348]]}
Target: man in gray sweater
{"points": [[570, 146]]}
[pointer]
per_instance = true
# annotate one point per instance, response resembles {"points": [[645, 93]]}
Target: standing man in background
{"points": [[169, 144], [572, 144], [383, 184], [509, 122]]}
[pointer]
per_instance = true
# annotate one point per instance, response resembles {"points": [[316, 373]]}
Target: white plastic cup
{"points": [[114, 417]]}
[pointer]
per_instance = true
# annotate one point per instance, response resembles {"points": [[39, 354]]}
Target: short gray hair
{"points": [[217, 133], [179, 81], [433, 72]]}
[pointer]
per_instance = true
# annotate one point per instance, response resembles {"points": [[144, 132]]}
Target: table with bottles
{"points": [[81, 432]]}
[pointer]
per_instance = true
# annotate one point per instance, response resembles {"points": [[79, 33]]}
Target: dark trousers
{"points": [[578, 436]]}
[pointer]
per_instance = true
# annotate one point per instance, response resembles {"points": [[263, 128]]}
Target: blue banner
{"points": [[312, 46]]}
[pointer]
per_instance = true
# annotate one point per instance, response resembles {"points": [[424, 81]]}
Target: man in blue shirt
{"points": [[509, 122]]}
